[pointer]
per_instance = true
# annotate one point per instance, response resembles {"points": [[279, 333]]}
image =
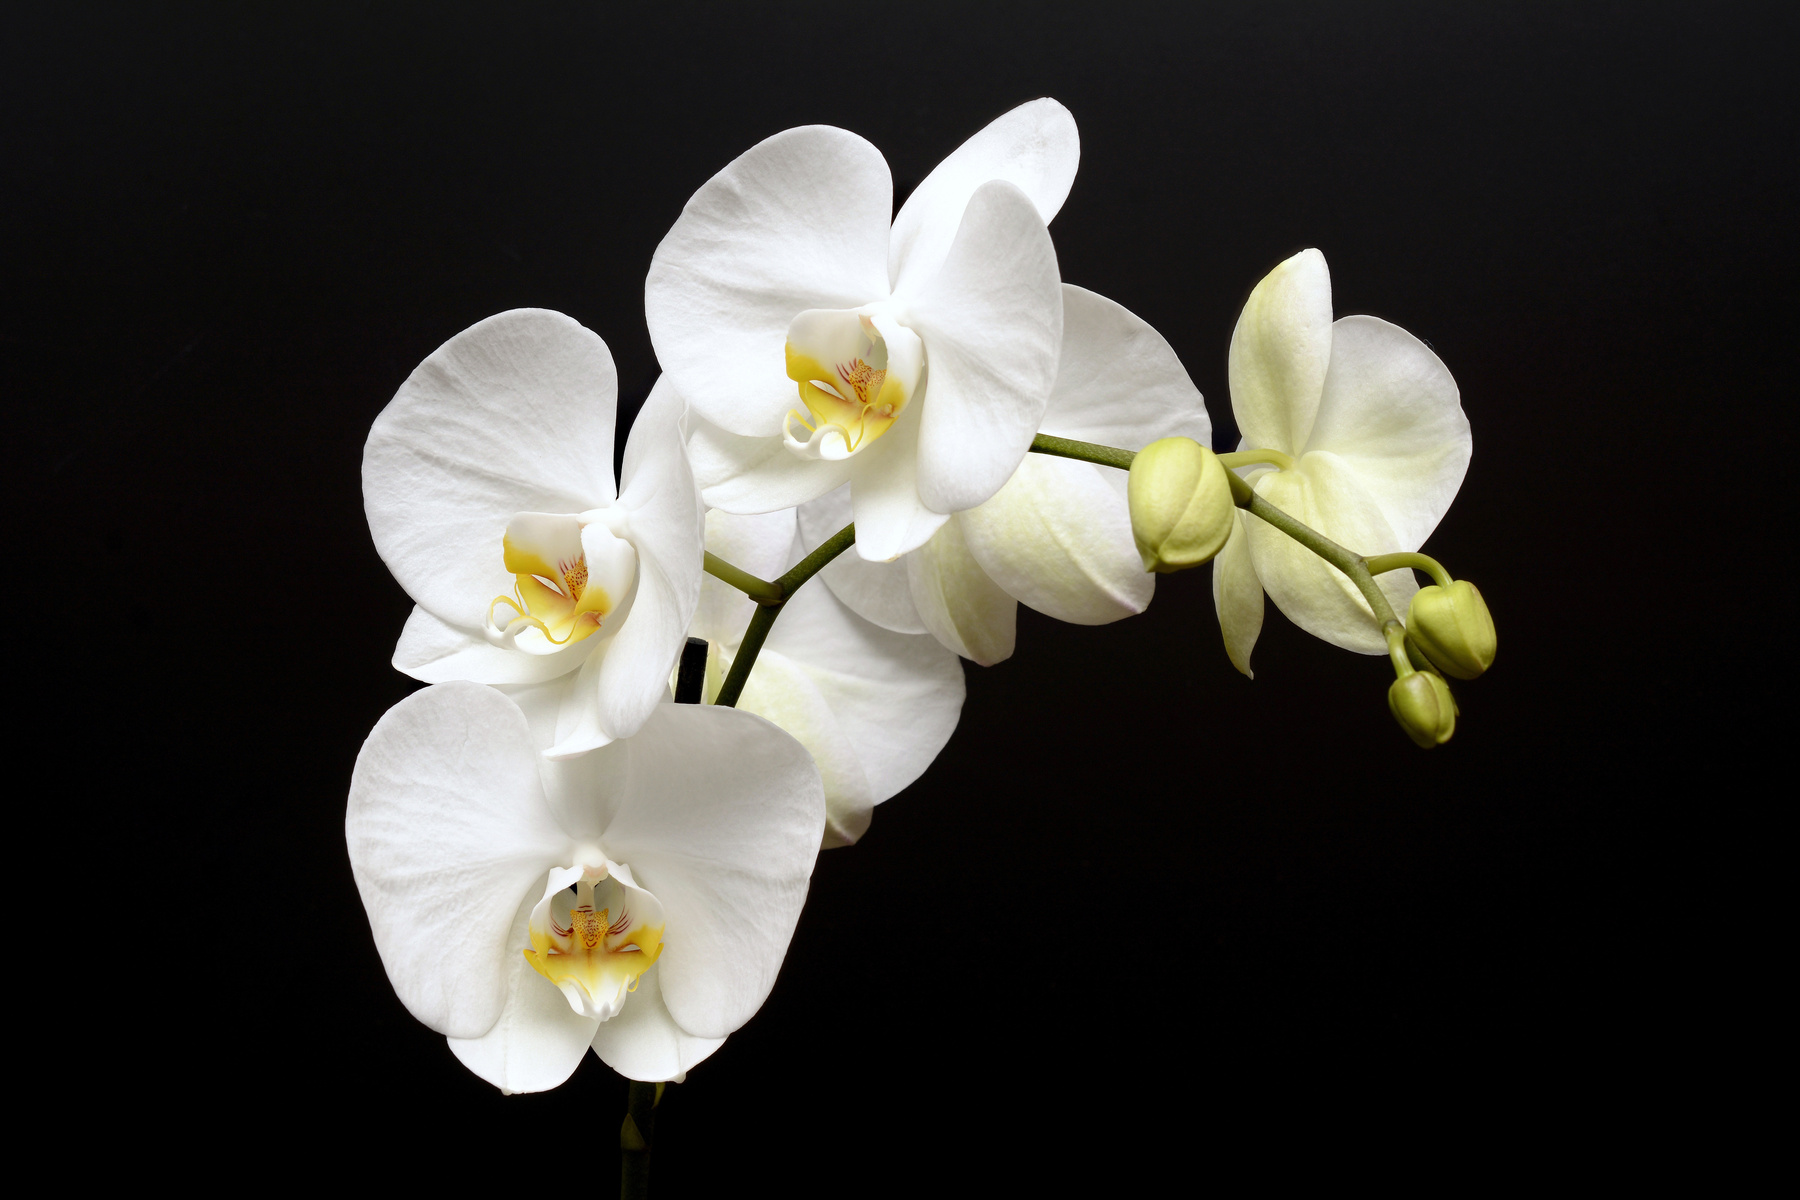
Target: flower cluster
{"points": [[556, 856]]}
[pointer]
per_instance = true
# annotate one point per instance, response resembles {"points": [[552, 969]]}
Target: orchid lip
{"points": [[855, 371], [593, 935], [570, 574]]}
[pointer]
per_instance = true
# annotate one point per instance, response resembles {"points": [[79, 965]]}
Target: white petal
{"points": [[1392, 412], [963, 608], [762, 545], [667, 525], [781, 690], [1035, 147], [1279, 353], [757, 474], [580, 725], [643, 1042], [1237, 596], [434, 652], [992, 324], [1058, 537], [1324, 493], [448, 831], [875, 591], [722, 824], [891, 517], [513, 414], [1119, 382], [798, 221], [538, 1041]]}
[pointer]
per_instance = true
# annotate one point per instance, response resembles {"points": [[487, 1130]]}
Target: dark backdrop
{"points": [[231, 236]]}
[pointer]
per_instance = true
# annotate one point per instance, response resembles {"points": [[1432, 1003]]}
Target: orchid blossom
{"points": [[638, 900], [1361, 435], [1057, 535], [489, 489], [821, 345], [872, 706]]}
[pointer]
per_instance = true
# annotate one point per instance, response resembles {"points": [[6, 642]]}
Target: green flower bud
{"points": [[1453, 628], [1422, 703], [1180, 504]]}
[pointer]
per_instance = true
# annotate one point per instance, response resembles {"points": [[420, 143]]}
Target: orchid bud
{"points": [[1180, 504], [1453, 628], [1421, 702]]}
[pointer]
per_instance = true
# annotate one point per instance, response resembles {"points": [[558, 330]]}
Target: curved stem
{"points": [[1106, 456], [759, 590], [1380, 564], [1349, 562], [764, 617]]}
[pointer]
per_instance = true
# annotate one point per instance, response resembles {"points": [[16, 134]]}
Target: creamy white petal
{"points": [[722, 823], [1035, 147], [961, 607], [643, 1042], [1058, 538], [992, 324], [798, 221], [538, 1041], [1393, 414], [514, 414], [448, 830], [1237, 596], [1119, 382], [891, 517], [1280, 350], [434, 652], [1324, 492], [757, 474], [875, 591]]}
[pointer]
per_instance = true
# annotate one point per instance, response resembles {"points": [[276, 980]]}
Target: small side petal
{"points": [[434, 652], [757, 474], [961, 606], [798, 221], [1237, 596], [644, 1043], [1035, 147], [992, 324], [1392, 412], [722, 824], [1058, 538], [1280, 351], [875, 591], [448, 831], [891, 517]]}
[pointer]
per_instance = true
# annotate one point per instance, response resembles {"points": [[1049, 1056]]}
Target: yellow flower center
{"points": [[593, 958], [559, 590]]}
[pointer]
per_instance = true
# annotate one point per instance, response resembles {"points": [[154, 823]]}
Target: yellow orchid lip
{"points": [[855, 372], [593, 958], [568, 578]]}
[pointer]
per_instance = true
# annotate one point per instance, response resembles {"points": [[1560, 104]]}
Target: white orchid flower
{"points": [[872, 706], [489, 490], [1367, 430], [638, 900], [823, 345], [1057, 536]]}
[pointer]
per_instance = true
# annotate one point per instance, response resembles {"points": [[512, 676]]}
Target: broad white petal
{"points": [[798, 221], [1324, 492], [757, 474], [514, 414], [1392, 412], [891, 517], [1035, 147], [961, 607], [875, 591], [538, 1041], [1279, 354], [643, 1042], [1119, 382], [664, 520], [895, 697], [434, 652], [762, 545], [1237, 596], [448, 830], [1058, 537], [992, 324], [722, 823]]}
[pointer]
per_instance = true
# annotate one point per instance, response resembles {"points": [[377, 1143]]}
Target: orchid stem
{"points": [[635, 1140], [759, 590], [767, 610], [1380, 564], [1106, 456]]}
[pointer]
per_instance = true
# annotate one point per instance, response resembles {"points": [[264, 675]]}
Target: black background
{"points": [[1142, 913]]}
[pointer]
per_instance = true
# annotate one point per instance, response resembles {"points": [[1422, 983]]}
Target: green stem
{"points": [[1380, 564], [759, 590], [1396, 640], [635, 1140], [1349, 562], [764, 618], [1106, 456]]}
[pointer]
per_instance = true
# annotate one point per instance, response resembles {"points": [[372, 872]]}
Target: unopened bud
{"points": [[1422, 703], [1454, 629], [1180, 504]]}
